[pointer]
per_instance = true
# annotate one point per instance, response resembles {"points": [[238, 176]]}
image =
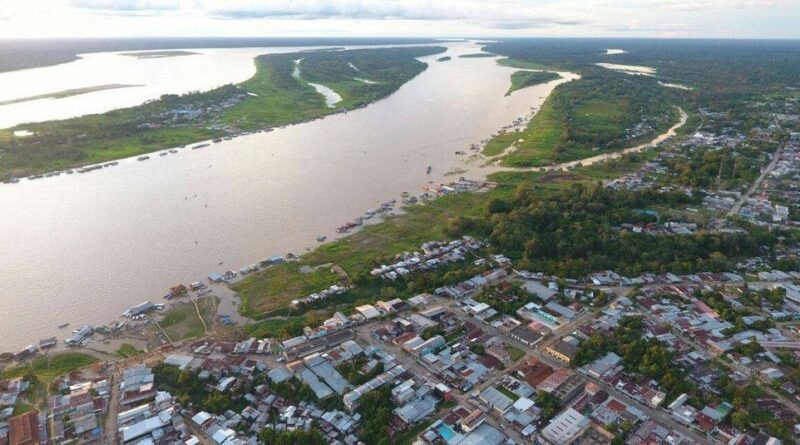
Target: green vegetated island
{"points": [[158, 54], [524, 79], [476, 55], [272, 97], [68, 93]]}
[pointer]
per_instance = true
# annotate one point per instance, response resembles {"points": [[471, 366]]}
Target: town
{"points": [[653, 300]]}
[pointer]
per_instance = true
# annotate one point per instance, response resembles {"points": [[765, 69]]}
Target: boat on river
{"points": [[143, 158], [429, 169], [63, 325]]}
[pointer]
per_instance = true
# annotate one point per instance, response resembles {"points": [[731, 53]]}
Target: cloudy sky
{"points": [[440, 18]]}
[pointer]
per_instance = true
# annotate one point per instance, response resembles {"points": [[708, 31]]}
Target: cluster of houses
{"points": [[324, 294], [779, 191], [154, 420], [435, 189], [434, 254]]}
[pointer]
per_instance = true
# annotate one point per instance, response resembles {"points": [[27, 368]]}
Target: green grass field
{"points": [[48, 367], [533, 145], [181, 322], [128, 350]]}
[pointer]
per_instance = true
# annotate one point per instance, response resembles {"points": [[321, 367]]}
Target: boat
{"points": [[143, 158], [163, 153], [173, 151], [63, 325], [429, 169], [217, 140], [321, 238], [48, 343], [195, 147]]}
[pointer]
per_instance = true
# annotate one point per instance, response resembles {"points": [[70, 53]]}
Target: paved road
{"points": [[757, 182]]}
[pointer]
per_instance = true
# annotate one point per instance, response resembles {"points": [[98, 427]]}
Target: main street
{"points": [[771, 166]]}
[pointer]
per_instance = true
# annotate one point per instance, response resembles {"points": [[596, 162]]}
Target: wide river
{"points": [[83, 248]]}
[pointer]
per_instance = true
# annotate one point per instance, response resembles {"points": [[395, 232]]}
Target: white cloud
{"points": [[487, 18], [127, 5]]}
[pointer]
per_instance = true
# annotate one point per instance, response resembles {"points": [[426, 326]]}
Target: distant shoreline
{"points": [[158, 54], [67, 93]]}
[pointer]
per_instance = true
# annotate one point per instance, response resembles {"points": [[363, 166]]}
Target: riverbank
{"points": [[271, 98], [236, 202], [267, 295]]}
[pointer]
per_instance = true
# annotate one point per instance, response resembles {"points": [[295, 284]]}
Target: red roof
{"points": [[24, 429], [616, 405]]}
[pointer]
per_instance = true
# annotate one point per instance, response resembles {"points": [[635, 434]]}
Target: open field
{"points": [[128, 350], [534, 145], [182, 322]]}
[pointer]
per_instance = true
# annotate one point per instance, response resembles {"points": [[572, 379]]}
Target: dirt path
{"points": [[200, 316], [113, 406], [163, 331]]}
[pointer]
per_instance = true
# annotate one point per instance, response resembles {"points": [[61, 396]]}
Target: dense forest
{"points": [[575, 231], [722, 73]]}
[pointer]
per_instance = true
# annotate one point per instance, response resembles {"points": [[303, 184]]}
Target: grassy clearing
{"points": [[515, 353], [533, 145], [282, 284], [182, 322], [128, 350], [524, 79], [46, 368]]}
